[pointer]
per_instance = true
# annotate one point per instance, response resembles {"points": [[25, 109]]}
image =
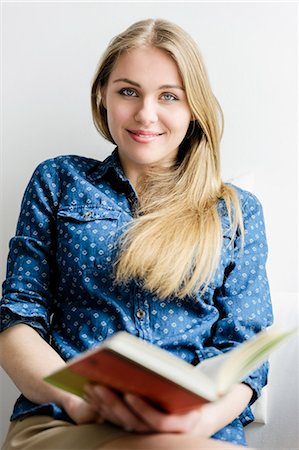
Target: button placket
{"points": [[141, 312]]}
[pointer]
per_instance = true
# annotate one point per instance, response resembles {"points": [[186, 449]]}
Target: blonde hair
{"points": [[174, 243]]}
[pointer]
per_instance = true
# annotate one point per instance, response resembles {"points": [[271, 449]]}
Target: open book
{"points": [[127, 363]]}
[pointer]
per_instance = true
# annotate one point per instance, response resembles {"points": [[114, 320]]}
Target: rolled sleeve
{"points": [[27, 289]]}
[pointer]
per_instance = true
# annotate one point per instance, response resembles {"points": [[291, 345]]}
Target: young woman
{"points": [[150, 241]]}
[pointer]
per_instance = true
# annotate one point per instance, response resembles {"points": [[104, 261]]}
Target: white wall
{"points": [[50, 51]]}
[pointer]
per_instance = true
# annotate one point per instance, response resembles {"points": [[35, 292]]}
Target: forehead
{"points": [[146, 64]]}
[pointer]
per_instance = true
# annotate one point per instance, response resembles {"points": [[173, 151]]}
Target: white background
{"points": [[50, 53]]}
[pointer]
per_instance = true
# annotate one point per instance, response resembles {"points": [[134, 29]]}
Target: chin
{"points": [[145, 159]]}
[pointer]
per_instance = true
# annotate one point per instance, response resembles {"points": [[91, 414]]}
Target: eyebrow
{"points": [[133, 83]]}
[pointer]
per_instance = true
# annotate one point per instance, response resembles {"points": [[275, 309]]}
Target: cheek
{"points": [[117, 118], [180, 123], [180, 118]]}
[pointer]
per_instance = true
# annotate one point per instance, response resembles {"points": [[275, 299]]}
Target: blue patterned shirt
{"points": [[60, 274]]}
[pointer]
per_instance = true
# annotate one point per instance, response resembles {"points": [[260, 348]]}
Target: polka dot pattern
{"points": [[60, 275]]}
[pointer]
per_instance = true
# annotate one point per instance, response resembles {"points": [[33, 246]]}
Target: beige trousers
{"points": [[45, 433]]}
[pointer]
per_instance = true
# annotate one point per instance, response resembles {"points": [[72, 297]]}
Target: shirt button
{"points": [[140, 314]]}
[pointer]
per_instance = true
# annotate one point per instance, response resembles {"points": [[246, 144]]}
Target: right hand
{"points": [[114, 409], [80, 411]]}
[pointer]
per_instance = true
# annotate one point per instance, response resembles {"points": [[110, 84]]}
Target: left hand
{"points": [[198, 421]]}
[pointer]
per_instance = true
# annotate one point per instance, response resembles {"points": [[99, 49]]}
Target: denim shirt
{"points": [[60, 274]]}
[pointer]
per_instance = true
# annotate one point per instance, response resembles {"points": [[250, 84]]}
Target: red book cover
{"points": [[110, 368], [127, 363]]}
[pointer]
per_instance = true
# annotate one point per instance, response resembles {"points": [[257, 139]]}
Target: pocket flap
{"points": [[87, 213]]}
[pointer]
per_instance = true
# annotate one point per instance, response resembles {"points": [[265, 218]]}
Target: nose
{"points": [[146, 113]]}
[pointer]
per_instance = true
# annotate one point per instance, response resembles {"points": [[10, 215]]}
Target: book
{"points": [[128, 364]]}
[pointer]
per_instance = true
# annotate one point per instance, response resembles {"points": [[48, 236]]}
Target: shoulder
{"points": [[65, 169], [250, 207], [57, 176], [67, 164], [249, 202]]}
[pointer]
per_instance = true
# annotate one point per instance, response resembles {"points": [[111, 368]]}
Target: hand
{"points": [[133, 413], [204, 421], [200, 421], [114, 409], [80, 411]]}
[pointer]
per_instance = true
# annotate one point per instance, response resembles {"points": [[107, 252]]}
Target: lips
{"points": [[145, 133], [144, 136]]}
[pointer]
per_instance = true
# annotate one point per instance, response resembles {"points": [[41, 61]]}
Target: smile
{"points": [[143, 136]]}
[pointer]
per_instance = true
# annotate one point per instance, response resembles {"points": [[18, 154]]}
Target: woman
{"points": [[150, 241]]}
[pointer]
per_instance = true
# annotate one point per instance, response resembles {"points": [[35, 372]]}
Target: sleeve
{"points": [[243, 301], [27, 289]]}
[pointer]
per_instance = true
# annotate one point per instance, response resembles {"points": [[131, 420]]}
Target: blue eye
{"points": [[127, 92], [169, 97]]}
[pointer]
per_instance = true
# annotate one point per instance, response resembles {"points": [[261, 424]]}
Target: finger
{"points": [[114, 409], [96, 399], [160, 421]]}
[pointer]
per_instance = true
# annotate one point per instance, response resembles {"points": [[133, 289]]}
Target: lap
{"points": [[46, 433], [168, 441]]}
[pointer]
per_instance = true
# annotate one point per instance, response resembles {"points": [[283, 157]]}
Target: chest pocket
{"points": [[87, 237]]}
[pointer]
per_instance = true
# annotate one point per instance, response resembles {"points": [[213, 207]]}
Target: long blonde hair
{"points": [[174, 243]]}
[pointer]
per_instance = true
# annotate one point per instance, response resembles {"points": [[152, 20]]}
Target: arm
{"points": [[243, 300], [27, 291], [26, 305], [28, 358]]}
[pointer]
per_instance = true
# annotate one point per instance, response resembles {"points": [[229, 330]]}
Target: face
{"points": [[147, 109]]}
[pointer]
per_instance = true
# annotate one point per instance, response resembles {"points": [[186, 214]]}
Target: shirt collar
{"points": [[112, 162]]}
